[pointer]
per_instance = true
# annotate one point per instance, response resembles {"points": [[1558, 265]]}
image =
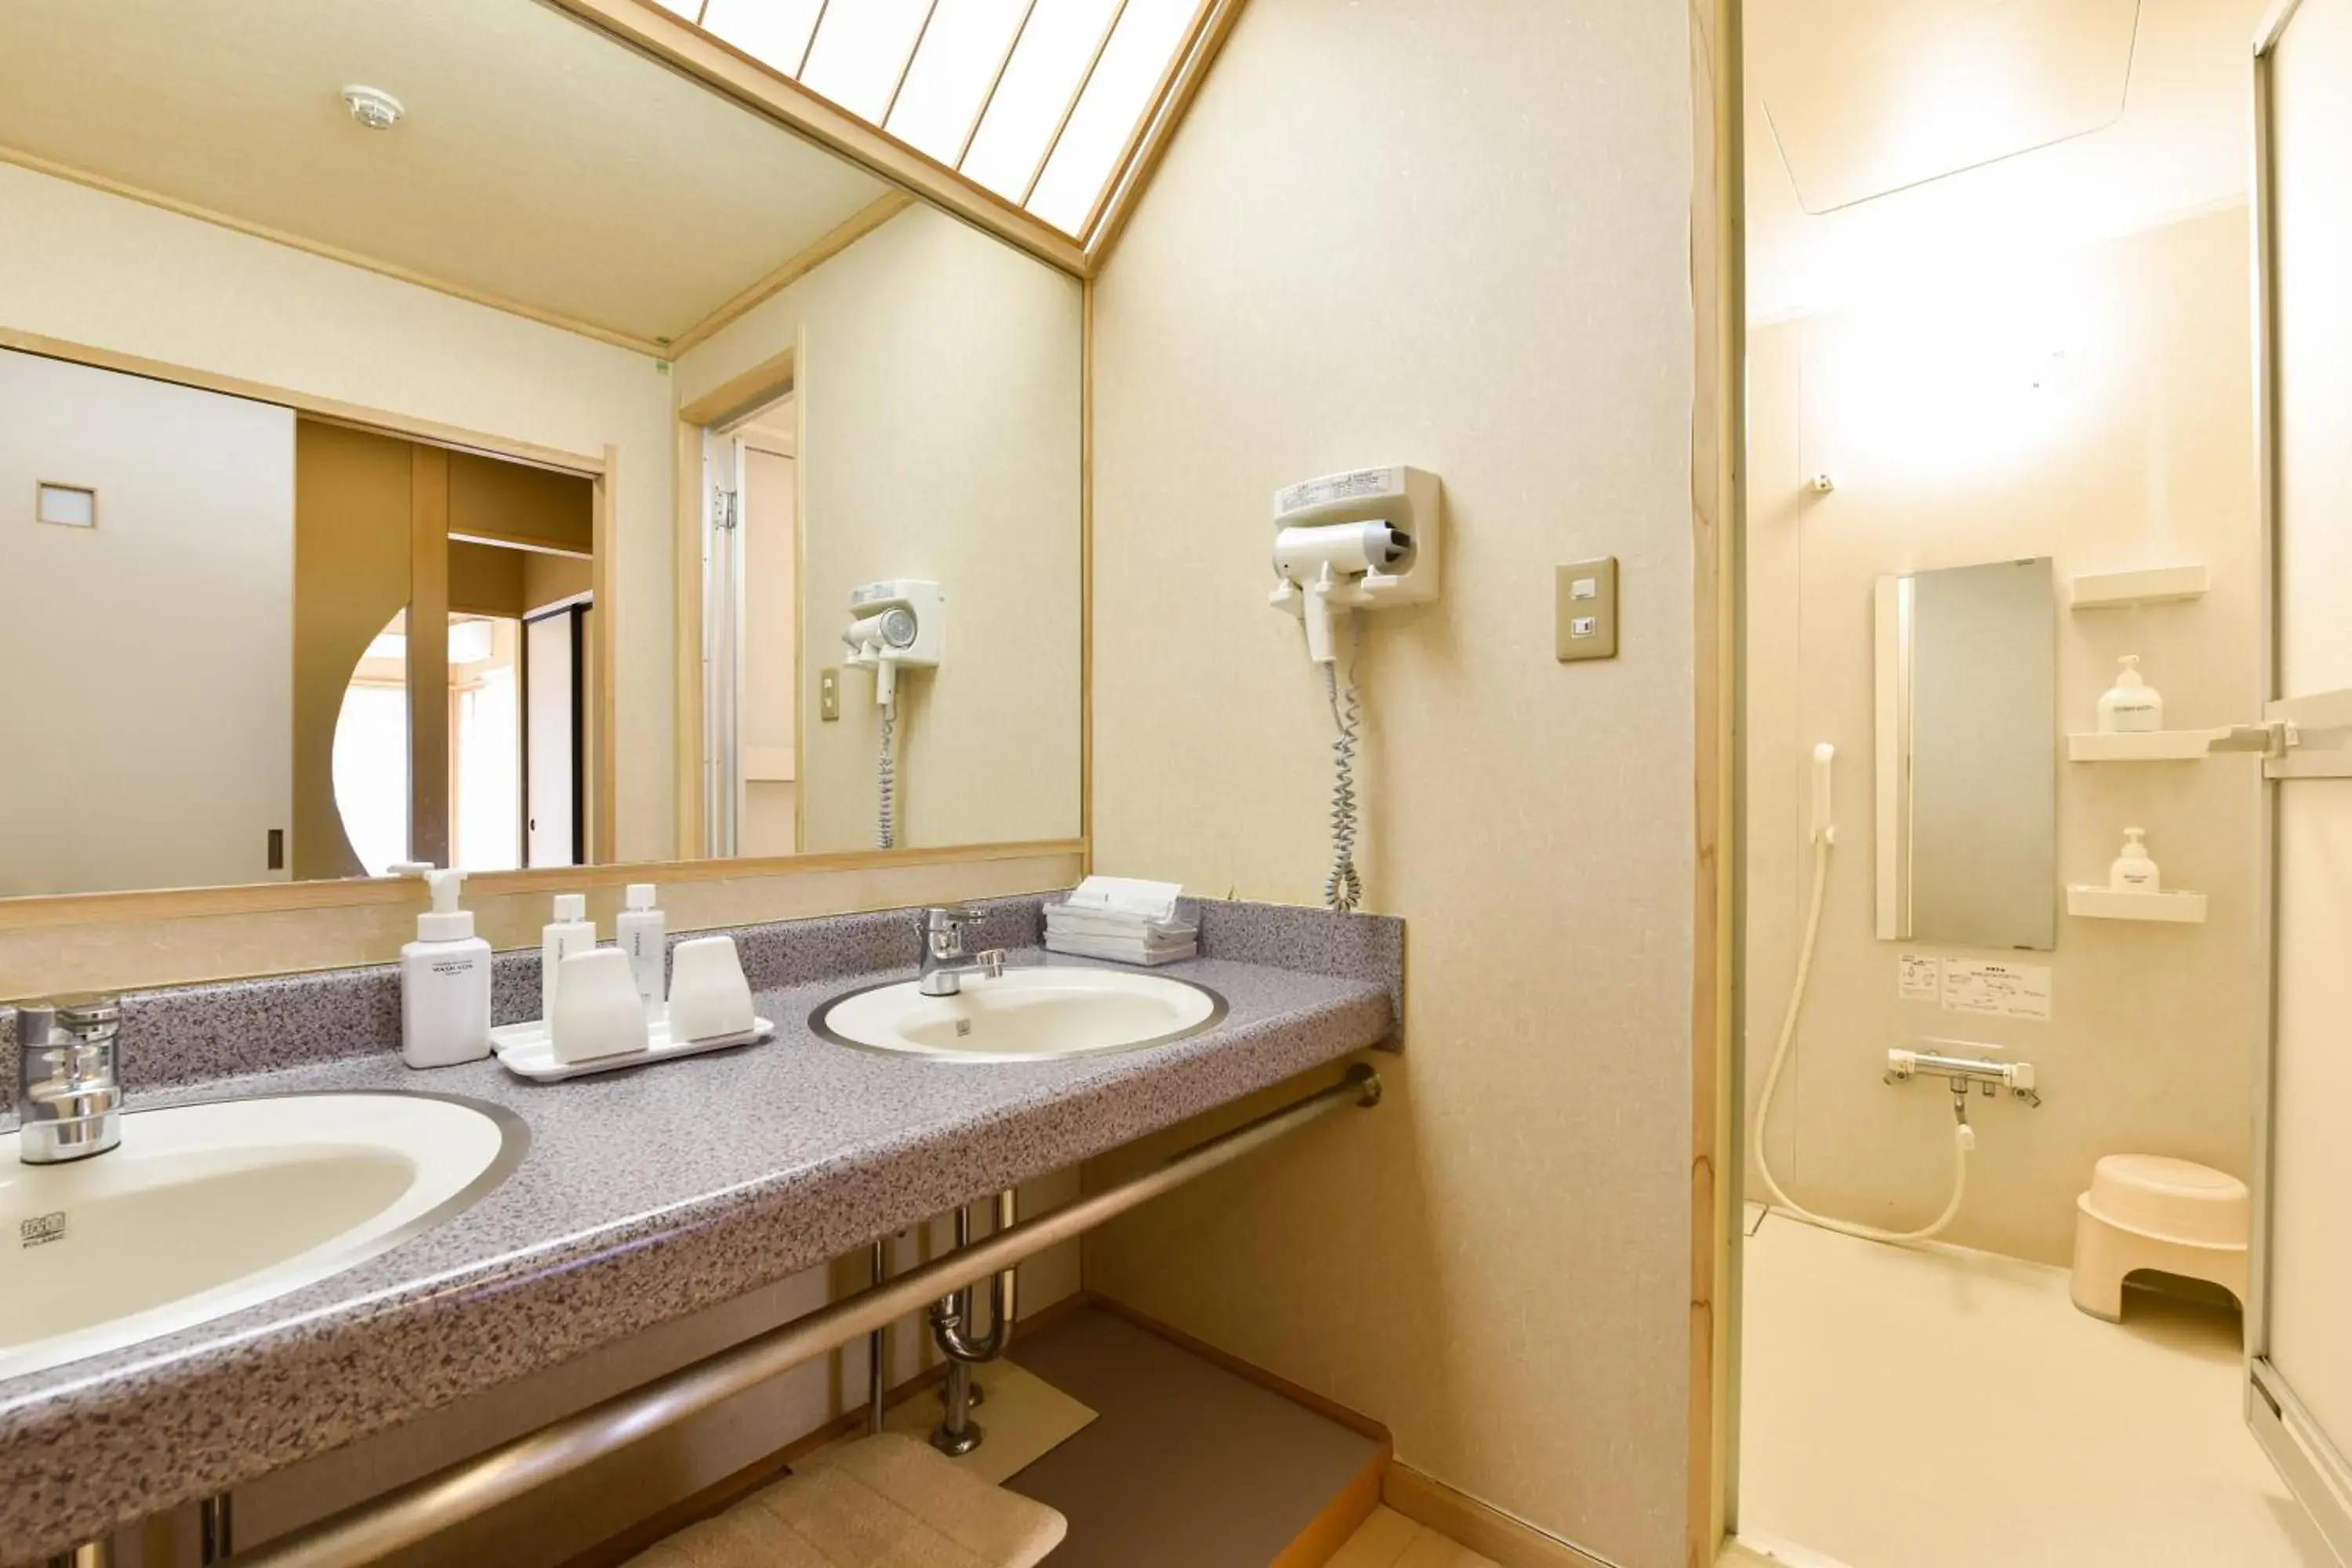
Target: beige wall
{"points": [[2139, 452], [147, 661], [1454, 237], [939, 402], [114, 273]]}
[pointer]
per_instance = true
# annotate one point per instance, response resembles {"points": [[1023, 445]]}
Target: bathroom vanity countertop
{"points": [[646, 1195]]}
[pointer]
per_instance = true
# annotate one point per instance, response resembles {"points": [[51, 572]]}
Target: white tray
{"points": [[526, 1051]]}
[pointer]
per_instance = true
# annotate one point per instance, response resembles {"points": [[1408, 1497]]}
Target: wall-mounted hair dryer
{"points": [[1358, 540], [893, 624]]}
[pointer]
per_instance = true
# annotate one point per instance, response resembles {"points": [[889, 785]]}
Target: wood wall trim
{"points": [[1718, 435], [741, 392], [40, 913], [801, 692], [686, 639], [430, 831], [1158, 131], [768, 92], [562, 322], [333, 411], [856, 227], [603, 583], [1484, 1529], [1086, 564]]}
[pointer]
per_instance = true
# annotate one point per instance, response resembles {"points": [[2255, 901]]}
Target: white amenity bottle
{"points": [[2133, 871], [639, 932], [2131, 706], [444, 984], [569, 932]]}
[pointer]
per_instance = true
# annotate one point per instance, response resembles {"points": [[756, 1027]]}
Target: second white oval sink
{"points": [[1022, 1015], [207, 1209]]}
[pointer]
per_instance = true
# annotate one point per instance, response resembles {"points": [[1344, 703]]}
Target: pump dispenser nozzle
{"points": [[445, 922]]}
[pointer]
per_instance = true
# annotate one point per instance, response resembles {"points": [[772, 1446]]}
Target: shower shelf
{"points": [[2106, 904], [2146, 746], [2155, 585]]}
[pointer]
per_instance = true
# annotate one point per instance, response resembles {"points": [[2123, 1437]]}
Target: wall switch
{"points": [[828, 695], [1585, 609]]}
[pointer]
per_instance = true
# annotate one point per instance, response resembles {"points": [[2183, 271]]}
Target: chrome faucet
{"points": [[942, 934], [69, 1098]]}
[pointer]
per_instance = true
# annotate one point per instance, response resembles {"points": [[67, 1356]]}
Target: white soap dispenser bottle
{"points": [[569, 932], [2131, 706], [639, 929], [444, 984], [2133, 871]]}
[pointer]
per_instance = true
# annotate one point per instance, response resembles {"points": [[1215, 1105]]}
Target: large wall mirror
{"points": [[1967, 775], [432, 430]]}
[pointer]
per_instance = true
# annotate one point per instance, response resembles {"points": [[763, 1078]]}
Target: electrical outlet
{"points": [[1585, 609], [828, 695]]}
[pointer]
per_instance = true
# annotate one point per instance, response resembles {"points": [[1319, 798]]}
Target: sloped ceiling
{"points": [[540, 162]]}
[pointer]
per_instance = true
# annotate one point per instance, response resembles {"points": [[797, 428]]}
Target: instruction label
{"points": [[1996, 990], [1920, 978]]}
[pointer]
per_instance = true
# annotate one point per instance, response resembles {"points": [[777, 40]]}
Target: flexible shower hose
{"points": [[1963, 1138]]}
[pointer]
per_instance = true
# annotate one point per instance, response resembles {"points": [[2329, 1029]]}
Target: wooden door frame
{"points": [[1718, 521], [763, 384]]}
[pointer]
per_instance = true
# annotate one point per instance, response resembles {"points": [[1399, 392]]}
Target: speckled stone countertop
{"points": [[646, 1196]]}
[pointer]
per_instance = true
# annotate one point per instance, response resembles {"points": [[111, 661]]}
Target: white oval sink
{"points": [[1022, 1015], [204, 1209]]}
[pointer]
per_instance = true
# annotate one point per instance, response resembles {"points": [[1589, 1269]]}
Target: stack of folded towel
{"points": [[1121, 918]]}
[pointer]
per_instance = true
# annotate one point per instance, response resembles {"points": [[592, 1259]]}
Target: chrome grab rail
{"points": [[416, 1512]]}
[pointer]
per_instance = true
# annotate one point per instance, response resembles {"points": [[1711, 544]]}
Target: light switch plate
{"points": [[1585, 609], [828, 695]]}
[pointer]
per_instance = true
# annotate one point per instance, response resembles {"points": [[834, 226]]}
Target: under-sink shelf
{"points": [[2106, 904], [2142, 746]]}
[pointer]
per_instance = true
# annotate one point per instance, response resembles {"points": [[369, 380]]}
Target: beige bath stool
{"points": [[884, 1502], [2144, 1211]]}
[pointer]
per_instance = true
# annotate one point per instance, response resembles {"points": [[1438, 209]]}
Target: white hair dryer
{"points": [[1358, 540]]}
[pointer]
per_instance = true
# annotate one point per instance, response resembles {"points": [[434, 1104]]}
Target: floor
{"points": [[1389, 1540], [1941, 1408], [1186, 1465]]}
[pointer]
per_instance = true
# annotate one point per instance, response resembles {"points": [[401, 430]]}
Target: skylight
{"points": [[1039, 100]]}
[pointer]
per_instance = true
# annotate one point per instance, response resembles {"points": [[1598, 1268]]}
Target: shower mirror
{"points": [[438, 430], [1967, 727]]}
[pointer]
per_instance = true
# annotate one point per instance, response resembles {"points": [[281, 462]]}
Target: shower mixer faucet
{"points": [[2018, 1077]]}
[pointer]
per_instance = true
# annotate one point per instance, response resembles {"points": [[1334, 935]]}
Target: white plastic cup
{"points": [[598, 1010], [709, 995]]}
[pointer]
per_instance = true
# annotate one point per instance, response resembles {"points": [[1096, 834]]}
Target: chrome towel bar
{"points": [[414, 1513]]}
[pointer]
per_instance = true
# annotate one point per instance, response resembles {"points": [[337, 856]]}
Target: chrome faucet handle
{"points": [[68, 1097], [943, 927]]}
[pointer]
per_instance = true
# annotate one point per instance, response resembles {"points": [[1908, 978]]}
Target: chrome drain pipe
{"points": [[415, 1513], [958, 1433]]}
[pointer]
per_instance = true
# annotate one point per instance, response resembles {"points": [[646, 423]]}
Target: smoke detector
{"points": [[372, 107]]}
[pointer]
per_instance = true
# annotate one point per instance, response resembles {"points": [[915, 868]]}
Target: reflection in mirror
{"points": [[492, 486], [1966, 756]]}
